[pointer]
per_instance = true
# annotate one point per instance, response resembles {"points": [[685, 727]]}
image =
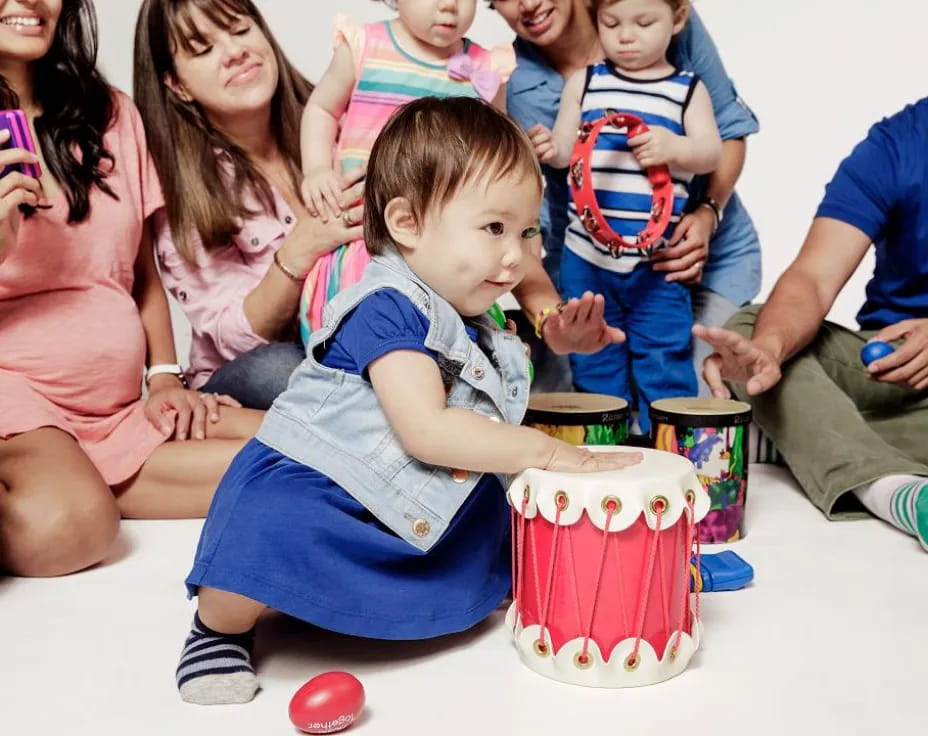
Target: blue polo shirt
{"points": [[534, 95], [882, 190]]}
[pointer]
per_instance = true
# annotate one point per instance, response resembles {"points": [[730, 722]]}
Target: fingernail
{"points": [[182, 436], [214, 417], [199, 435]]}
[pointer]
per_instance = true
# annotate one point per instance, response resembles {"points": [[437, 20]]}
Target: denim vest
{"points": [[332, 421]]}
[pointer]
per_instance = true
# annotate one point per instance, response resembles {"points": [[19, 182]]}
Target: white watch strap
{"points": [[173, 368]]}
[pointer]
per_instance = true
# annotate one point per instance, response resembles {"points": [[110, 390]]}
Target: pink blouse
{"points": [[212, 294]]}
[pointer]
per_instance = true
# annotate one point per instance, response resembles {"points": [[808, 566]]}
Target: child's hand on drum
{"points": [[567, 458]]}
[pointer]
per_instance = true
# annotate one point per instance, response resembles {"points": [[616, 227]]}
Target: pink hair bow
{"points": [[485, 81]]}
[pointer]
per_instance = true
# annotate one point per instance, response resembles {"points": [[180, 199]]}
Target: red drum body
{"points": [[601, 573]]}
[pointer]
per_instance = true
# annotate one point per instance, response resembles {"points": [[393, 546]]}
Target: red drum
{"points": [[601, 571]]}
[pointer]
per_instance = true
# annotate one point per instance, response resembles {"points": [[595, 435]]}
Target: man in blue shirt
{"points": [[843, 427], [716, 245]]}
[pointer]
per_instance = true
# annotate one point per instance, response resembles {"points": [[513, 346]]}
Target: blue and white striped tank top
{"points": [[622, 188]]}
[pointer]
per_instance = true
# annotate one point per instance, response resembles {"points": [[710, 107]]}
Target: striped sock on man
{"points": [[214, 668], [902, 500]]}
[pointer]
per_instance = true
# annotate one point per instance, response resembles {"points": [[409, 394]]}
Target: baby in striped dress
{"points": [[376, 69], [655, 361]]}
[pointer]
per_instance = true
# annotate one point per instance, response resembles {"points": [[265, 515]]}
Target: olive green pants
{"points": [[835, 427]]}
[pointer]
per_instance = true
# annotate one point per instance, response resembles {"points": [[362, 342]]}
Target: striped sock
{"points": [[902, 500], [761, 448], [214, 668]]}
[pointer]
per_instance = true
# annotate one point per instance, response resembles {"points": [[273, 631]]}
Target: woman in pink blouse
{"points": [[222, 105], [82, 313]]}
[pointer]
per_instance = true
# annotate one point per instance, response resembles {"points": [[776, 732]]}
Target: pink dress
{"points": [[72, 347], [386, 78]]}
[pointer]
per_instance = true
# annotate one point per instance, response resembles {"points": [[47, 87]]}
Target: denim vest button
{"points": [[421, 528], [478, 372], [459, 476], [515, 391]]}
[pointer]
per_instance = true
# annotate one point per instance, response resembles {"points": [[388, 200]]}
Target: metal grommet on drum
{"points": [[601, 578], [580, 419], [713, 434]]}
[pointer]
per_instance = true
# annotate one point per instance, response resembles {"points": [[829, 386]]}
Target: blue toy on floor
{"points": [[722, 571]]}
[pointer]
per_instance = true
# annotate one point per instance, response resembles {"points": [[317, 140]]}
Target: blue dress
{"points": [[282, 533]]}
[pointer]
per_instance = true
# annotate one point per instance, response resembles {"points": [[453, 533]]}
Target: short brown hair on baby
{"points": [[430, 148]]}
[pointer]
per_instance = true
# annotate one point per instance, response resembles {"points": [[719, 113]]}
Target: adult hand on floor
{"points": [[908, 364], [737, 359], [579, 326]]}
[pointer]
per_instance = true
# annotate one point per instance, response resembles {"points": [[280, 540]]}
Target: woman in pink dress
{"points": [[82, 313]]}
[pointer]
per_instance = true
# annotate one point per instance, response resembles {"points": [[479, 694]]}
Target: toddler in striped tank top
{"points": [[654, 311], [376, 69]]}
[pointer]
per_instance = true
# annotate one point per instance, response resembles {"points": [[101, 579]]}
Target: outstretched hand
{"points": [[580, 327], [738, 359]]}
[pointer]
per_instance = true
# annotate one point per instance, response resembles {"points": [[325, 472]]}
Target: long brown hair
{"points": [[199, 195], [77, 109]]}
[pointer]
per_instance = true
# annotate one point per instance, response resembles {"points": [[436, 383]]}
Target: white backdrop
{"points": [[818, 73]]}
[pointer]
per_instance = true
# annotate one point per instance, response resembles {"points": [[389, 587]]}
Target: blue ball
{"points": [[874, 351]]}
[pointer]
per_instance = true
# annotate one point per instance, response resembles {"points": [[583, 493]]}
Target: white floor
{"points": [[830, 639]]}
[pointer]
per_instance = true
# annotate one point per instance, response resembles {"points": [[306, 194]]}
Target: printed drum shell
{"points": [[580, 419], [713, 434]]}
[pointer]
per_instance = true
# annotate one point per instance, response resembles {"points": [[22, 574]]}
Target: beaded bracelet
{"points": [[543, 316]]}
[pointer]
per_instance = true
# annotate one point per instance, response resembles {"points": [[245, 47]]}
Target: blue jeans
{"points": [[656, 360], [259, 376]]}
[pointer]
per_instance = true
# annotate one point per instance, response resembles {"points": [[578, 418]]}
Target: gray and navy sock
{"points": [[214, 668]]}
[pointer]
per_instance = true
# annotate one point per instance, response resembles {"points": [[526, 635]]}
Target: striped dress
{"points": [[621, 184], [386, 78]]}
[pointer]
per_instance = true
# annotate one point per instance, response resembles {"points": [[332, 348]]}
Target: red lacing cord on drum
{"points": [[518, 541], [665, 606], [514, 551], [560, 505], [584, 653], [646, 583], [687, 552], [698, 566]]}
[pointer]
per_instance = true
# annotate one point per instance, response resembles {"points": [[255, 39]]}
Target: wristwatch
{"points": [[716, 210], [170, 368]]}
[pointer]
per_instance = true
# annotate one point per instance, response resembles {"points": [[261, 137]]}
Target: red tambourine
{"points": [[581, 181]]}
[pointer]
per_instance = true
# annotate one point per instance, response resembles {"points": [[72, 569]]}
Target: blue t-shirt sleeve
{"points": [[867, 185], [384, 322], [695, 51]]}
